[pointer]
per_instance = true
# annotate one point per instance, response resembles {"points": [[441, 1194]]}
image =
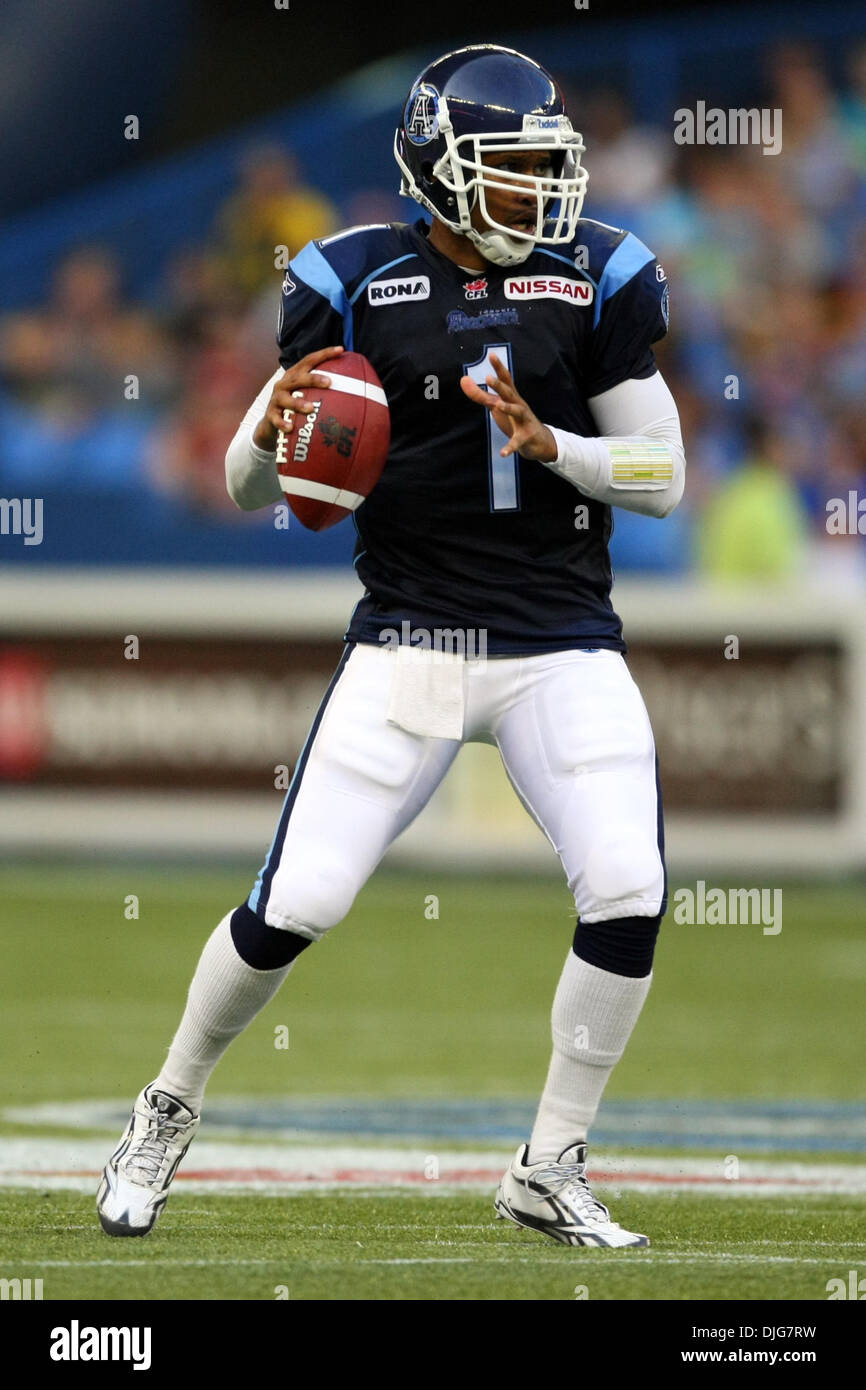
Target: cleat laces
{"points": [[569, 1181], [146, 1159]]}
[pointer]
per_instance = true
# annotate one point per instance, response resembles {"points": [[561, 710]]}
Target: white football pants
{"points": [[574, 736]]}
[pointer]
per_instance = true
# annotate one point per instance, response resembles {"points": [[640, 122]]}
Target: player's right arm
{"points": [[314, 309], [251, 460]]}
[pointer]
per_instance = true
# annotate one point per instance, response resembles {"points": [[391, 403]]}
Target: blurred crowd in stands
{"points": [[765, 254]]}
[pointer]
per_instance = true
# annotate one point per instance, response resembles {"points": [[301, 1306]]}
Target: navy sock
{"points": [[261, 946], [624, 946]]}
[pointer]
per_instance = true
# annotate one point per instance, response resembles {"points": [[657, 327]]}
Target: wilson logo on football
{"points": [[398, 291], [305, 434], [543, 287]]}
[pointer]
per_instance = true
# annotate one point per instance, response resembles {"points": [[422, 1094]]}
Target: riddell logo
{"points": [[305, 434], [476, 289], [382, 292], [543, 287]]}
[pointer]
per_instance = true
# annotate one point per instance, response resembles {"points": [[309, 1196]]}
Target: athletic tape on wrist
{"points": [[640, 464]]}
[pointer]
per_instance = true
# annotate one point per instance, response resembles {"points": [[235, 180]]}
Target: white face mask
{"points": [[462, 172]]}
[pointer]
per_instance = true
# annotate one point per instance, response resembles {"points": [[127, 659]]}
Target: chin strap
{"points": [[501, 249]]}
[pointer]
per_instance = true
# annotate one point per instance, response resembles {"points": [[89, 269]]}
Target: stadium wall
{"points": [[161, 712]]}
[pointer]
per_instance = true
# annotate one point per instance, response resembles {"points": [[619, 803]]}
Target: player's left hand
{"points": [[528, 436]]}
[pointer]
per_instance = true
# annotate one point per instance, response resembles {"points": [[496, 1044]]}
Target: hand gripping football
{"points": [[333, 457]]}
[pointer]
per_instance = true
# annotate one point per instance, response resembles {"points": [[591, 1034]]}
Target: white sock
{"points": [[594, 1013], [224, 997]]}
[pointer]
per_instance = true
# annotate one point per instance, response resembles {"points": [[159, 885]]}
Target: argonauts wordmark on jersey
{"points": [[458, 321]]}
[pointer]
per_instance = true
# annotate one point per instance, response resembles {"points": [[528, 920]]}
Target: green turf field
{"points": [[407, 1247], [394, 1004]]}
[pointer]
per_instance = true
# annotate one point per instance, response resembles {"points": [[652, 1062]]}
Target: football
{"points": [[333, 458]]}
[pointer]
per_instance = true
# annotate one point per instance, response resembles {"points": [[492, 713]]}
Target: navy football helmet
{"points": [[475, 101]]}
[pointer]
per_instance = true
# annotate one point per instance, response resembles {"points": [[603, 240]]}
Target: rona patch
{"points": [[398, 291], [547, 287]]}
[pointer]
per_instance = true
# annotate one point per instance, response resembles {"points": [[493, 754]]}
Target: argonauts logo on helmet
{"points": [[422, 115]]}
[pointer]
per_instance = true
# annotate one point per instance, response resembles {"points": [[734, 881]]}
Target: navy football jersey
{"points": [[454, 536]]}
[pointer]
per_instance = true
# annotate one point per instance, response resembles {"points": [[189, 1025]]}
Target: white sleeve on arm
{"points": [[251, 472], [639, 462]]}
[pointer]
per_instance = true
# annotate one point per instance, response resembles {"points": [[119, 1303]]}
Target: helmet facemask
{"points": [[461, 171]]}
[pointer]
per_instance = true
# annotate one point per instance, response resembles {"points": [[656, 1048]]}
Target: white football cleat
{"points": [[556, 1198], [135, 1181]]}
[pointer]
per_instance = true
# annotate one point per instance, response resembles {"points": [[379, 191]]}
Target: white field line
{"points": [[75, 1164], [605, 1256]]}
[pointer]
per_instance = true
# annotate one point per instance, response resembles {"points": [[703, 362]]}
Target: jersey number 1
{"points": [[504, 492]]}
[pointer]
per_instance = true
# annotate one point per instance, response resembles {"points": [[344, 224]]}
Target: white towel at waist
{"points": [[427, 692]]}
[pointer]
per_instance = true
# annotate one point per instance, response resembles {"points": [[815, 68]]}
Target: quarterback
{"points": [[493, 515]]}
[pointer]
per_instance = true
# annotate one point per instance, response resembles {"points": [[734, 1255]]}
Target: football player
{"points": [[535, 330]]}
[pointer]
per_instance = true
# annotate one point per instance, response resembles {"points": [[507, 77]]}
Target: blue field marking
{"points": [[727, 1126], [776, 1126]]}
